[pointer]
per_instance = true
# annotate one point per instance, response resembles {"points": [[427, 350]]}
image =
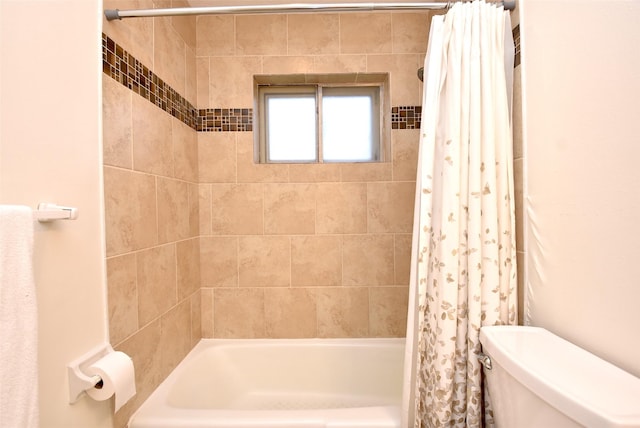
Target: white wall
{"points": [[581, 125], [50, 148]]}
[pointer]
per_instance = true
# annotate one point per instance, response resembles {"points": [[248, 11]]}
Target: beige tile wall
{"points": [[304, 254], [232, 48], [305, 250], [518, 161], [151, 204]]}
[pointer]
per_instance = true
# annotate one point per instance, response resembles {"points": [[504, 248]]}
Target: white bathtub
{"points": [[274, 383]]}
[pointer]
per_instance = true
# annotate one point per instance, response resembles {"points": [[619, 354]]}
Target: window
{"points": [[341, 121]]}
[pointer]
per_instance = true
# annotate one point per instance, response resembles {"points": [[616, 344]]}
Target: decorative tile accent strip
{"points": [[225, 119], [406, 117], [121, 66], [516, 41], [124, 68]]}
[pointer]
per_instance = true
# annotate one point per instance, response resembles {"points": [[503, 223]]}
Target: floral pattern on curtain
{"points": [[466, 254]]}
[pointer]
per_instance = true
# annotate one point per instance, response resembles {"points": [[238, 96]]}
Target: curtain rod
{"points": [[112, 14]]}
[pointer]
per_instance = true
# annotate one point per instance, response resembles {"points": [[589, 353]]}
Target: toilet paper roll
{"points": [[118, 377]]}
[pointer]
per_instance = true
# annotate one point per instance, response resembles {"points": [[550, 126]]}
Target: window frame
{"points": [[305, 84]]}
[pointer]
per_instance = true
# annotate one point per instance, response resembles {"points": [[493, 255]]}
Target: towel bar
{"points": [[49, 212]]}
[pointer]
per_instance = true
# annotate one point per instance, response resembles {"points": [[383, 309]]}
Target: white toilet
{"points": [[539, 380]]}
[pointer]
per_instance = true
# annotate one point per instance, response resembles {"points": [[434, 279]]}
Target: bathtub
{"points": [[281, 383]]}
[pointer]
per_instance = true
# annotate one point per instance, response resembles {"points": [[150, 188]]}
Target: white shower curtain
{"points": [[463, 272]]}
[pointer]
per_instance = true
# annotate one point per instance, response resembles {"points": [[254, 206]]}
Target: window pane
{"points": [[347, 128], [291, 128]]}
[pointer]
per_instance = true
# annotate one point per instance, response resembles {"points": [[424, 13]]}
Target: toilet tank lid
{"points": [[585, 387]]}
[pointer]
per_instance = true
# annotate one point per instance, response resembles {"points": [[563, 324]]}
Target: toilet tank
{"points": [[538, 379]]}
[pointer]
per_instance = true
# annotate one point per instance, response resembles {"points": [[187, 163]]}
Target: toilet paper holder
{"points": [[79, 379]]}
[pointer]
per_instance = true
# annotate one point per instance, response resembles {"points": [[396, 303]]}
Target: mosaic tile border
{"points": [[516, 41], [406, 117], [225, 119], [124, 68]]}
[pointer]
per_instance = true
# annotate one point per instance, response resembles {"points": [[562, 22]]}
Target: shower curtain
{"points": [[463, 272]]}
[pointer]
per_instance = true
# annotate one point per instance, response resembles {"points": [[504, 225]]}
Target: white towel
{"points": [[18, 320]]}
